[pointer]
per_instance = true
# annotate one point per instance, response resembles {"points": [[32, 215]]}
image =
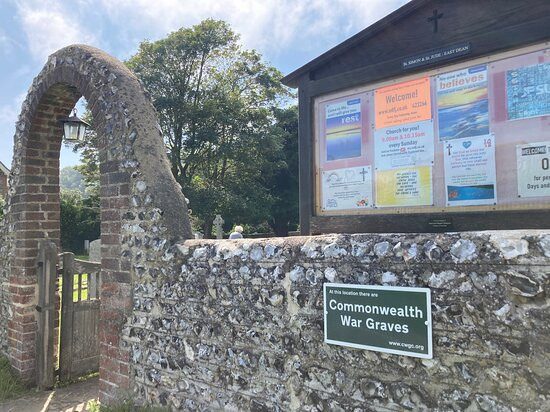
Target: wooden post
{"points": [[305, 148], [93, 286], [67, 315], [47, 274]]}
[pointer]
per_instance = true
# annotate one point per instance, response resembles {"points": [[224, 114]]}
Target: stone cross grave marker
{"points": [[218, 227]]}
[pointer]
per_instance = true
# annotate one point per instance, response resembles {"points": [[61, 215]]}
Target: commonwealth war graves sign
{"points": [[387, 319]]}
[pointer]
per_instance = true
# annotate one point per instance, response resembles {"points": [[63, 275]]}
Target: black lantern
{"points": [[74, 129]]}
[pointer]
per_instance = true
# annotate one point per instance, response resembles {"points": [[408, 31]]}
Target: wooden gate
{"points": [[79, 337], [79, 282], [47, 275]]}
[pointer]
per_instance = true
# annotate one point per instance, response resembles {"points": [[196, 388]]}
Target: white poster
{"points": [[533, 169], [407, 145], [349, 188], [470, 176]]}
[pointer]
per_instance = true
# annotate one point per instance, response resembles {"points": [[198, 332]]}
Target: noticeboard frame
{"points": [[323, 221]]}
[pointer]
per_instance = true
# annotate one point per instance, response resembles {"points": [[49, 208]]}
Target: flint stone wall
{"points": [[239, 324], [139, 197]]}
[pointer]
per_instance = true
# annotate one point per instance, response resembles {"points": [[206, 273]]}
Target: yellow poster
{"points": [[404, 187], [402, 103]]}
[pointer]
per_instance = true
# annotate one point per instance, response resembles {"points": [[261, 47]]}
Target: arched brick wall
{"points": [[140, 200]]}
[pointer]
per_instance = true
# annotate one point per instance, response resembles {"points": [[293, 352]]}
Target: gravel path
{"points": [[70, 398]]}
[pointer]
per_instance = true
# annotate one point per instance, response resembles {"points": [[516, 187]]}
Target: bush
{"points": [[79, 221], [10, 387]]}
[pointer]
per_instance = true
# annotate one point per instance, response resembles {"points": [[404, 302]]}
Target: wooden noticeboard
{"points": [[473, 136], [415, 127]]}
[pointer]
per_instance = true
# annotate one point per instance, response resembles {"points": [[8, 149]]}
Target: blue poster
{"points": [[528, 91], [343, 130], [463, 103]]}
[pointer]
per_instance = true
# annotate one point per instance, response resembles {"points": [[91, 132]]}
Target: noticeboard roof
{"points": [[413, 31], [291, 79]]}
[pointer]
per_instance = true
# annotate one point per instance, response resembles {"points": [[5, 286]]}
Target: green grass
{"points": [[10, 387], [94, 406], [82, 257], [64, 384], [83, 290]]}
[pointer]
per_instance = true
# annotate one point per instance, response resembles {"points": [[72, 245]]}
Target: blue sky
{"points": [[288, 33]]}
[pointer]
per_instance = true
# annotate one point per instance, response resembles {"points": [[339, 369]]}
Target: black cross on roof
{"points": [[436, 16]]}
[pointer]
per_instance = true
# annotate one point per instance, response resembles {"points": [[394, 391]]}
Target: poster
{"points": [[470, 176], [404, 187], [348, 188], [533, 169], [403, 103], [463, 104], [407, 145], [343, 129], [528, 91]]}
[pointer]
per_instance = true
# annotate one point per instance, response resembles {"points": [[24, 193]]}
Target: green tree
{"points": [[89, 156], [283, 181], [79, 220], [214, 102], [71, 179]]}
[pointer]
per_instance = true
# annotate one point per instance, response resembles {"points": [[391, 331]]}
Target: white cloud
{"points": [[10, 112], [6, 43], [48, 26], [263, 24], [8, 116], [22, 71]]}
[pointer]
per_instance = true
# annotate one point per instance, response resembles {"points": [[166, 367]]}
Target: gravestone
{"points": [[218, 227], [95, 251]]}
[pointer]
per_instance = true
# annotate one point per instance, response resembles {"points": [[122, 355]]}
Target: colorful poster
{"points": [[343, 129], [401, 146], [463, 104], [404, 187], [528, 91], [533, 169], [403, 103], [349, 188], [470, 176]]}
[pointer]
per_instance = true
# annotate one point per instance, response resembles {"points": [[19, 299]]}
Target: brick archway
{"points": [[139, 197]]}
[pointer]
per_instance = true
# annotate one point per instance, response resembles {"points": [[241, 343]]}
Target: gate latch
{"points": [[45, 307]]}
